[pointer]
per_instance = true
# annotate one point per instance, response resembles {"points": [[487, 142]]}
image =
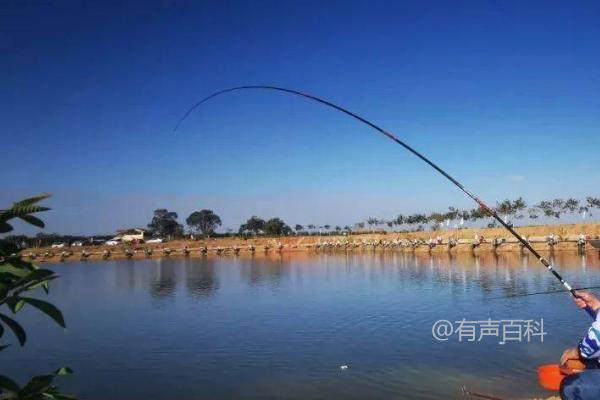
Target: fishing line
{"points": [[466, 392], [512, 296], [482, 205]]}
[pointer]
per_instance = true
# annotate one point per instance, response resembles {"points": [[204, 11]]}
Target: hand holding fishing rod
{"points": [[588, 302], [482, 205]]}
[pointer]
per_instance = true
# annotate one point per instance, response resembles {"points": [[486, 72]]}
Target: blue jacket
{"points": [[589, 346]]}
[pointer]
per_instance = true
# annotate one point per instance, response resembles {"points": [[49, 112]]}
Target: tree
{"points": [[437, 219], [552, 208], [205, 221], [17, 278], [410, 220], [164, 224], [571, 206], [275, 226], [505, 208], [533, 213], [372, 222], [512, 209], [464, 215], [417, 219], [400, 219], [452, 214], [478, 213], [19, 241], [590, 204], [518, 206], [298, 228], [254, 225]]}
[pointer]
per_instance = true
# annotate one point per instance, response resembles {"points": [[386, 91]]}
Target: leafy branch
{"points": [[17, 277]]}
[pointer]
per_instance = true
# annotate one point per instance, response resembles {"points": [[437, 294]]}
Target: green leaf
{"points": [[15, 327], [15, 304], [14, 271], [42, 385], [60, 396], [47, 308], [19, 262], [5, 227], [8, 384], [3, 290], [34, 199], [38, 275], [19, 210], [36, 385], [63, 371], [43, 284], [53, 393], [35, 221]]}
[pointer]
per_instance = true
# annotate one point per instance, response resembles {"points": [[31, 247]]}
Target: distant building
{"points": [[133, 234]]}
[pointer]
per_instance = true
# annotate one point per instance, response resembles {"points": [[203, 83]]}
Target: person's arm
{"points": [[589, 346]]}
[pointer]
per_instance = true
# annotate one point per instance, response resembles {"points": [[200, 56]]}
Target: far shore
{"points": [[547, 238]]}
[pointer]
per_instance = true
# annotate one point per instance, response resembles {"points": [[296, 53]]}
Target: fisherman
{"points": [[584, 385]]}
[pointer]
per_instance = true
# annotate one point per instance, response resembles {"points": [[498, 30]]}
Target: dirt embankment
{"points": [[563, 237]]}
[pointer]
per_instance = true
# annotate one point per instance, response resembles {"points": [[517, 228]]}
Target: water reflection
{"points": [[201, 278], [164, 281], [492, 274], [266, 271], [125, 274]]}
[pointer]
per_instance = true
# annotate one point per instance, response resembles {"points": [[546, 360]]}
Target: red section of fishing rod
{"points": [[481, 204]]}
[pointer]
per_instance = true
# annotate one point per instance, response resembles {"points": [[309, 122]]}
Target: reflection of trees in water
{"points": [[125, 271], [264, 271], [165, 279], [495, 274], [201, 278], [490, 274]]}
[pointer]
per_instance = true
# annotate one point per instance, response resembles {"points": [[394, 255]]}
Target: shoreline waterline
{"points": [[546, 239]]}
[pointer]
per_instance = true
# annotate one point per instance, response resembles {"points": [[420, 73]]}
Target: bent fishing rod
{"points": [[482, 205]]}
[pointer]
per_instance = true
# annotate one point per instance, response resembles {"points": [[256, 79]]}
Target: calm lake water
{"points": [[280, 327]]}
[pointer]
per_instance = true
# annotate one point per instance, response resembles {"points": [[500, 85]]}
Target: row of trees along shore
{"points": [[205, 222]]}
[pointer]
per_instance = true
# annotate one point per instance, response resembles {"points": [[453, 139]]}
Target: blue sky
{"points": [[504, 95]]}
